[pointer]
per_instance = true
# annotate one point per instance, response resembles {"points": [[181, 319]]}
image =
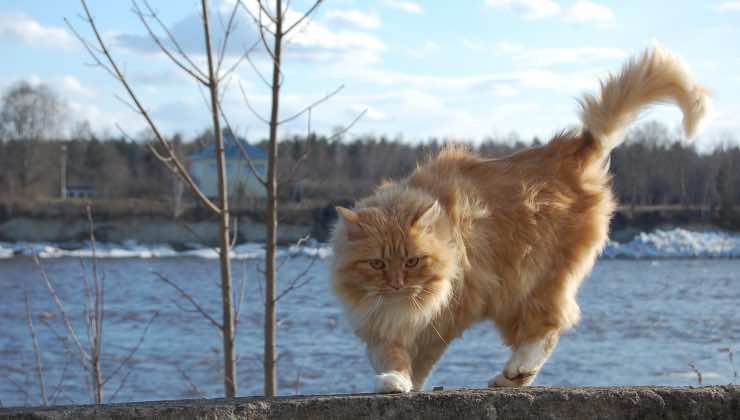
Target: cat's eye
{"points": [[412, 262], [377, 264]]}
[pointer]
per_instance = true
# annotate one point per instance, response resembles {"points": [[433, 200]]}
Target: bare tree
{"points": [[30, 114], [210, 79], [274, 22]]}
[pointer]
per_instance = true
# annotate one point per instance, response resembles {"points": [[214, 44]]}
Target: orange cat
{"points": [[465, 239]]}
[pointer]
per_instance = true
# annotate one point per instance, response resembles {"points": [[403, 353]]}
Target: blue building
{"points": [[241, 180]]}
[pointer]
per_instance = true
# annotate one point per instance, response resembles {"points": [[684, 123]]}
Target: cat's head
{"points": [[393, 253]]}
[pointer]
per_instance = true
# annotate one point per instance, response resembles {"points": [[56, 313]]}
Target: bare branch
{"points": [[165, 160], [238, 62], [296, 283], [348, 127], [193, 71], [294, 168], [194, 388], [266, 11], [236, 232], [120, 385], [187, 296], [241, 293], [67, 323], [123, 132], [92, 51], [246, 101], [133, 350], [227, 34], [305, 15], [118, 75], [62, 377], [262, 28], [311, 106], [258, 72]]}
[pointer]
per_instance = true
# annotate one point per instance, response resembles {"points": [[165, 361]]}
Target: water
{"points": [[644, 322]]}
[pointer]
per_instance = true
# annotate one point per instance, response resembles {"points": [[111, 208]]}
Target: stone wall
{"points": [[528, 403]]}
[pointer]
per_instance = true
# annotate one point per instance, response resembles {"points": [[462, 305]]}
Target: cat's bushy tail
{"points": [[653, 77]]}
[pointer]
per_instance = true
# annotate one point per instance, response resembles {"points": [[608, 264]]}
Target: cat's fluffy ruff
{"points": [[507, 240]]}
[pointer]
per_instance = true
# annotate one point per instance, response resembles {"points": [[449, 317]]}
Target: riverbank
{"points": [[644, 403], [151, 222]]}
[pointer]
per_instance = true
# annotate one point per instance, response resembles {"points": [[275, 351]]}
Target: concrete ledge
{"points": [[528, 403]]}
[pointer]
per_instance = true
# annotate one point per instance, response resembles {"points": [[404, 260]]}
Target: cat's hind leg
{"points": [[526, 361]]}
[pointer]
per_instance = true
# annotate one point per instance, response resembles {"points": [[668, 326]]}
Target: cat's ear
{"points": [[350, 217], [427, 216]]}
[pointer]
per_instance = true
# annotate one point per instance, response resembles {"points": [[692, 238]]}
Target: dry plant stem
{"points": [[82, 353], [113, 69], [36, 351], [272, 183], [96, 321], [699, 376], [193, 388], [226, 286]]}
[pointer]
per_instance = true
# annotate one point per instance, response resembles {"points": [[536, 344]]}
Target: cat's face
{"points": [[399, 256]]}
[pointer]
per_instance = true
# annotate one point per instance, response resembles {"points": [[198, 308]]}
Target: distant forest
{"points": [[652, 168]]}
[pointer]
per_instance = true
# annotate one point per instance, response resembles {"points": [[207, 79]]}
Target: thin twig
{"points": [[36, 351], [699, 376], [193, 71], [194, 388], [187, 296], [133, 350], [243, 151], [227, 35], [314, 104], [246, 101], [62, 377], [60, 307], [296, 283], [305, 15]]}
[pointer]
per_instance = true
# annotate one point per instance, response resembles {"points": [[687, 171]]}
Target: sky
{"points": [[465, 70]]}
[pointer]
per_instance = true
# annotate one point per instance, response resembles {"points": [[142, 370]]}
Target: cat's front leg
{"points": [[526, 361], [393, 365]]}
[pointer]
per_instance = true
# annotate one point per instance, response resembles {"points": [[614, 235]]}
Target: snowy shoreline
{"points": [[673, 243]]}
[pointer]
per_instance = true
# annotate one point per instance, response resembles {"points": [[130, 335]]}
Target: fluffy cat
{"points": [[465, 239]]}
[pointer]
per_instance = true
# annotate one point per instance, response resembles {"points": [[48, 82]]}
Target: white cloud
{"points": [[586, 11], [310, 41], [356, 18], [540, 57], [528, 9], [71, 86], [18, 27], [424, 50], [371, 113], [729, 6], [404, 6]]}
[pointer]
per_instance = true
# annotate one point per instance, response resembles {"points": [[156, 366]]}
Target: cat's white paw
{"points": [[502, 381], [392, 382]]}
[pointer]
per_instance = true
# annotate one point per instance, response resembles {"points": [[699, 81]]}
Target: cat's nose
{"points": [[396, 282]]}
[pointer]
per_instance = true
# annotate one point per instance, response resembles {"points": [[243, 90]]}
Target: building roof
{"points": [[231, 149]]}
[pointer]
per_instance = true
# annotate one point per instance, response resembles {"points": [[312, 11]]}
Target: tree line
{"points": [[655, 167]]}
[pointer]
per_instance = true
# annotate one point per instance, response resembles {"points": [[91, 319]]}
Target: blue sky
{"points": [[467, 69]]}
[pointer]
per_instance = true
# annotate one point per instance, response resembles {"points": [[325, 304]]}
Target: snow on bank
{"points": [[677, 243], [674, 243]]}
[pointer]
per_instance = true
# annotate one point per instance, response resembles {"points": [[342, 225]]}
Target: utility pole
{"points": [[63, 172]]}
